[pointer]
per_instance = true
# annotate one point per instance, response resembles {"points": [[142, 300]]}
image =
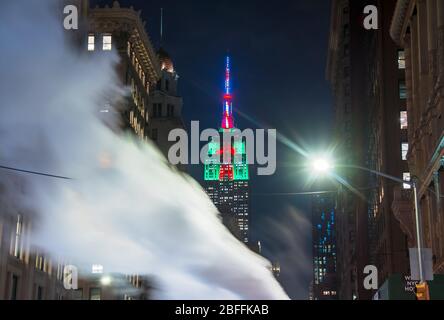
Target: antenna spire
{"points": [[227, 120]]}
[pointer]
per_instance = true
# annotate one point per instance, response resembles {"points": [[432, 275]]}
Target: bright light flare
{"points": [[322, 165], [106, 280]]}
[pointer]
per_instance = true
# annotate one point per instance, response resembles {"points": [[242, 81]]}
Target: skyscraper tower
{"points": [[324, 247], [227, 182]]}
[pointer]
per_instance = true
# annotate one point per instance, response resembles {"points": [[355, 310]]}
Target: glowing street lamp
{"points": [[322, 165], [106, 280]]}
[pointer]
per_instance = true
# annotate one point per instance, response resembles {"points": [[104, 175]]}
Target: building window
{"points": [[95, 294], [404, 150], [404, 120], [401, 59], [78, 294], [14, 287], [97, 269], [346, 30], [406, 177], [91, 42], [60, 269], [167, 85], [402, 90], [157, 110], [39, 293], [18, 238], [170, 111], [107, 42], [41, 263]]}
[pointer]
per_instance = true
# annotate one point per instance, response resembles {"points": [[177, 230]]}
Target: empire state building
{"points": [[227, 182]]}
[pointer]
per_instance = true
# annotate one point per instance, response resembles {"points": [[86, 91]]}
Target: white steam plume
{"points": [[125, 208]]}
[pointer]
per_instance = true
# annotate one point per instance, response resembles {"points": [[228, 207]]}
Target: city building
{"points": [[418, 27], [165, 106], [346, 65], [226, 171], [324, 284], [310, 291], [388, 147], [154, 108], [122, 30], [372, 133], [26, 272], [113, 287]]}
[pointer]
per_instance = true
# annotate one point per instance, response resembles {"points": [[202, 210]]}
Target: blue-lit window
{"points": [[402, 90]]}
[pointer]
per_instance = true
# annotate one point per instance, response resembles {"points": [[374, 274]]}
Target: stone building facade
{"points": [[122, 30], [165, 104], [418, 27], [26, 272]]}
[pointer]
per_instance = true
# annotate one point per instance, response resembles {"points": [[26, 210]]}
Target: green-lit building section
{"points": [[214, 163]]}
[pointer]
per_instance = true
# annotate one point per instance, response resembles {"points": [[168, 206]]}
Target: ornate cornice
{"points": [[399, 17], [128, 20]]}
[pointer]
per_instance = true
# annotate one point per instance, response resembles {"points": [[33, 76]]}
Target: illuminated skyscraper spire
{"points": [[227, 178], [227, 119]]}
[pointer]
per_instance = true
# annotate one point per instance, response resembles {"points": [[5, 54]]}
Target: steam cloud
{"points": [[125, 208]]}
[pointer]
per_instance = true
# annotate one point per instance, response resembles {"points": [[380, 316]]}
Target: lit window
{"points": [[18, 238], [91, 43], [97, 269], [95, 294], [107, 42], [406, 177], [404, 150], [404, 120], [402, 90], [401, 59]]}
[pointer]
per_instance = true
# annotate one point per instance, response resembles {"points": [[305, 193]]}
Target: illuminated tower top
{"points": [[227, 118], [217, 168]]}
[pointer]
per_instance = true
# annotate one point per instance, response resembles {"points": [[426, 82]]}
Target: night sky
{"points": [[279, 53]]}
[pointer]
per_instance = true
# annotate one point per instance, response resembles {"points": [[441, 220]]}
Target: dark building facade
{"points": [[348, 51], [324, 285], [366, 71], [388, 147]]}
